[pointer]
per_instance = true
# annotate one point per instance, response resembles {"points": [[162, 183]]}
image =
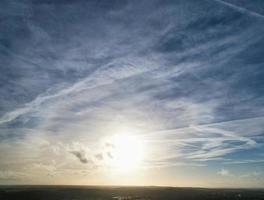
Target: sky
{"points": [[111, 92]]}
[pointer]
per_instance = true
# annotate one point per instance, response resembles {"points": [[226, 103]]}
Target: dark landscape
{"points": [[124, 193]]}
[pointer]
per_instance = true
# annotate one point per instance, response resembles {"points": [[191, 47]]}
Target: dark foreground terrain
{"points": [[124, 193]]}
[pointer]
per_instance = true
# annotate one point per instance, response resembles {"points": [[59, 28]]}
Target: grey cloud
{"points": [[109, 144], [109, 154], [99, 156], [81, 155]]}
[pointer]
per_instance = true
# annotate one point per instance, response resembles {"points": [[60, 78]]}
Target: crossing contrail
{"points": [[240, 9]]}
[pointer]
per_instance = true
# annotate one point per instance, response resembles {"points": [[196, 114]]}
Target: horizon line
{"points": [[124, 186]]}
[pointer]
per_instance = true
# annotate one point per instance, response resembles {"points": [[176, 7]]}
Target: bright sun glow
{"points": [[127, 152]]}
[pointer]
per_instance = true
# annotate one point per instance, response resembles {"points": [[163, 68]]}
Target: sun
{"points": [[126, 153]]}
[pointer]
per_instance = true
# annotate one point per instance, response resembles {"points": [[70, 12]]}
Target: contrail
{"points": [[240, 9]]}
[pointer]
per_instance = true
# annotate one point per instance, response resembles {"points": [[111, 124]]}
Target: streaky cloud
{"points": [[241, 9]]}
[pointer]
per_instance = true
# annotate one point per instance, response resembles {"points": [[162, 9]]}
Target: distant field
{"points": [[124, 193]]}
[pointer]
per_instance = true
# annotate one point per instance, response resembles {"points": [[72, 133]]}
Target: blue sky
{"points": [[184, 76]]}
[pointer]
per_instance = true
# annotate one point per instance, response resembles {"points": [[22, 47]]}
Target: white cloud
{"points": [[241, 9], [253, 174], [224, 172]]}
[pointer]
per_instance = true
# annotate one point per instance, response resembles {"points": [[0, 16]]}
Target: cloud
{"points": [[109, 154], [204, 143], [8, 175], [224, 172], [253, 174], [81, 156], [244, 161], [241, 9], [188, 81], [99, 156], [79, 151]]}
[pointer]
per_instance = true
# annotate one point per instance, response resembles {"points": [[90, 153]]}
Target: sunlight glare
{"points": [[127, 152]]}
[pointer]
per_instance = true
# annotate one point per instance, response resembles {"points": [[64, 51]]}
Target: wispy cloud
{"points": [[252, 174], [241, 9], [188, 81], [224, 172]]}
